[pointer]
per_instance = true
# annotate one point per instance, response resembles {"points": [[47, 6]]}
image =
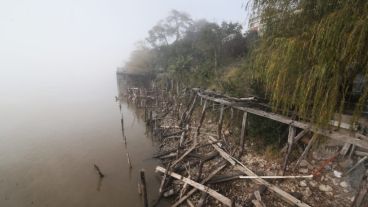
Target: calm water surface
{"points": [[50, 138]]}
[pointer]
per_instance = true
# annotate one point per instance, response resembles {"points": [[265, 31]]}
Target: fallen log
{"points": [[199, 186]]}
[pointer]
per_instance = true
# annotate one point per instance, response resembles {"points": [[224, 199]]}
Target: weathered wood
{"points": [[284, 195], [190, 204], [144, 188], [99, 171], [129, 162], [356, 165], [243, 132], [258, 202], [360, 153], [296, 139], [292, 131], [277, 177], [195, 138], [235, 177], [202, 200], [339, 136], [345, 149], [185, 154], [306, 150], [191, 192], [199, 186], [361, 198], [219, 125], [352, 151]]}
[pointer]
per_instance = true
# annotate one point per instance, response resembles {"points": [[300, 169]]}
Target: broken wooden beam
{"points": [[292, 131], [226, 201], [239, 166], [191, 192], [306, 150]]}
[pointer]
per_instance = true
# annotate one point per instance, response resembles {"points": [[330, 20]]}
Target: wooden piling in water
{"points": [[144, 188]]}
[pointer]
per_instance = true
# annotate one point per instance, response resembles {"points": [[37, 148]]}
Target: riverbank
{"points": [[202, 141]]}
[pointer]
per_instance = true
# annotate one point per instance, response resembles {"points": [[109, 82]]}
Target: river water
{"points": [[50, 140]]}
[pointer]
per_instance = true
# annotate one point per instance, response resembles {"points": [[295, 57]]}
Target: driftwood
{"points": [[284, 195], [99, 171], [199, 186]]}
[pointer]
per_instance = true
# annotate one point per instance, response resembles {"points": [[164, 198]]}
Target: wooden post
{"points": [[195, 141], [186, 116], [292, 132], [243, 132], [219, 128], [304, 154], [129, 162], [144, 188]]}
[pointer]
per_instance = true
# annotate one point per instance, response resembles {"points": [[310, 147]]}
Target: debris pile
{"points": [[205, 164]]}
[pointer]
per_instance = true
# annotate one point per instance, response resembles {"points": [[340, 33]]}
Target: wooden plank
{"points": [[345, 149], [339, 136], [191, 192], [284, 195], [199, 186]]}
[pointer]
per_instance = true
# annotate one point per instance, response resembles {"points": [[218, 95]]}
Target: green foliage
{"points": [[310, 54]]}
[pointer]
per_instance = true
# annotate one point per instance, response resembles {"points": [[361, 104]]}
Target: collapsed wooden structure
{"points": [[189, 142]]}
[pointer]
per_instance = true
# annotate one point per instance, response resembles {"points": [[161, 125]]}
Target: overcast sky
{"points": [[64, 45]]}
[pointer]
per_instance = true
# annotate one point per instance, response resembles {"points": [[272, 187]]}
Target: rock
{"points": [[304, 163], [303, 170], [307, 192], [313, 183], [329, 194], [325, 188], [303, 183], [227, 132], [337, 173], [344, 184]]}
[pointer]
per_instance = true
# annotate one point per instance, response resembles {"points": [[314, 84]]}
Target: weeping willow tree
{"points": [[309, 54]]}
